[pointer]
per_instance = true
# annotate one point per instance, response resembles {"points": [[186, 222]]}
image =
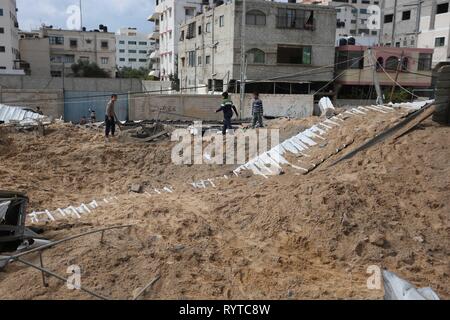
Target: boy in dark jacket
{"points": [[227, 107]]}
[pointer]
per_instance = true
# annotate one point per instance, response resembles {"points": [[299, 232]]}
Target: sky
{"points": [[113, 13]]}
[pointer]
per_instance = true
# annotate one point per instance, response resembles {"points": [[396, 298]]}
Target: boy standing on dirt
{"points": [[257, 111], [110, 117], [227, 107]]}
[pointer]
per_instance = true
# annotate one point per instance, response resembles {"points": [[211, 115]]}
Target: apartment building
{"points": [[353, 19], [401, 22], [34, 54], [69, 46], [133, 49], [9, 38], [411, 66], [283, 43], [435, 31], [167, 17]]}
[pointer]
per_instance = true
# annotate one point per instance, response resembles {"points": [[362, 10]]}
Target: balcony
{"points": [[154, 35], [155, 55], [154, 17]]}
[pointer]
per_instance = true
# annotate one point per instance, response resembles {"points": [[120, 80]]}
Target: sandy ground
{"points": [[293, 236]]}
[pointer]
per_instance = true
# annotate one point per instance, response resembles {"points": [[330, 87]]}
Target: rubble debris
{"points": [[136, 188]]}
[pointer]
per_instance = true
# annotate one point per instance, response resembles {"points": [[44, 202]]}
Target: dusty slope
{"points": [[292, 236]]}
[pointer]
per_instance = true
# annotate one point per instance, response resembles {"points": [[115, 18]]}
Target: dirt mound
{"points": [[293, 236]]}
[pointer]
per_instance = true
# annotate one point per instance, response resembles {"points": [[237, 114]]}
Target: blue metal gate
{"points": [[78, 103]]}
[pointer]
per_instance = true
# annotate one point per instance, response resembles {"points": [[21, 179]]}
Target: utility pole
{"points": [[243, 57], [81, 16], [213, 48], [376, 81]]}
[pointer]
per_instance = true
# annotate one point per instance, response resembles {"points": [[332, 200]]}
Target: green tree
{"points": [[141, 73], [88, 70]]}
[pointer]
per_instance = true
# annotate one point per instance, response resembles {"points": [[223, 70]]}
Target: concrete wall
{"points": [[73, 84], [51, 102], [152, 86], [203, 107]]}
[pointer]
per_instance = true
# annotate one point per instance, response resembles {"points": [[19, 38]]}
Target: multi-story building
{"points": [[9, 38], [133, 49], [435, 31], [70, 46], [412, 67], [284, 43], [400, 22], [353, 19], [167, 17]]}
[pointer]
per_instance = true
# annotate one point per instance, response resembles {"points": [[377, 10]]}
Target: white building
{"points": [[435, 31], [353, 19], [9, 37], [168, 16], [133, 49]]}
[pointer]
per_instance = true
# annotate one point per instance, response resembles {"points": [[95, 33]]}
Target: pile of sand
{"points": [[290, 237]]}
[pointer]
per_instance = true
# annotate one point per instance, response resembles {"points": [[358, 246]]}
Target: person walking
{"points": [[227, 107]]}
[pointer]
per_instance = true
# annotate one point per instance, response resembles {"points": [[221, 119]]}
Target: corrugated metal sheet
{"points": [[9, 113]]}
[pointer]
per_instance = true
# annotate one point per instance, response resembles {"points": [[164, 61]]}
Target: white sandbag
{"points": [[326, 108]]}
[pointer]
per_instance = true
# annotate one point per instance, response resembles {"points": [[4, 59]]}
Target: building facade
{"points": [[9, 38], [70, 46], [435, 31], [353, 19], [133, 49], [284, 43], [167, 17], [412, 67]]}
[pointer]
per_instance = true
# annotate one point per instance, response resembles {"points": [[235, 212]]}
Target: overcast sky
{"points": [[113, 13]]}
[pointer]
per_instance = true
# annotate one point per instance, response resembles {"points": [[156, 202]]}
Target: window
{"points": [[350, 60], [121, 42], [199, 30], [142, 60], [392, 63], [182, 35], [2, 30], [425, 61], [132, 51], [221, 21], [294, 55], [199, 61], [104, 60], [208, 27], [104, 45], [132, 43], [191, 58], [256, 18], [295, 19], [190, 12], [191, 31], [1, 12], [122, 59], [2, 49], [132, 60], [406, 15], [142, 43], [143, 51], [208, 60], [256, 56], [442, 8], [56, 40], [122, 51], [439, 42], [388, 18], [73, 43]]}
